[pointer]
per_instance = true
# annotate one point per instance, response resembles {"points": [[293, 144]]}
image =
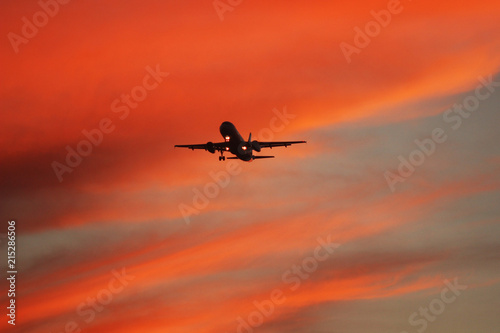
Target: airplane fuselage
{"points": [[235, 143]]}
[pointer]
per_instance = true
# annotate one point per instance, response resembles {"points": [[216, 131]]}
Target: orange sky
{"points": [[120, 207]]}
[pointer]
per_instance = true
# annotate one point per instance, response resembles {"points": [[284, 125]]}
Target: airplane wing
{"points": [[279, 143], [206, 146]]}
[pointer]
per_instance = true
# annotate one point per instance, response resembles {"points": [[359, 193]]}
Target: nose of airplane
{"points": [[226, 126]]}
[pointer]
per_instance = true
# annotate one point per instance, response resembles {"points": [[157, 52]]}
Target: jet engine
{"points": [[256, 146], [211, 147]]}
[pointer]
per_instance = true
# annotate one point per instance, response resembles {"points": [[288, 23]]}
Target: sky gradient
{"points": [[112, 227]]}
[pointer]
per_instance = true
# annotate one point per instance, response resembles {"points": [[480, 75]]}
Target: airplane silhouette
{"points": [[234, 143]]}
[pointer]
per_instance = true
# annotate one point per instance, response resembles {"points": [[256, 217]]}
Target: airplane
{"points": [[234, 144]]}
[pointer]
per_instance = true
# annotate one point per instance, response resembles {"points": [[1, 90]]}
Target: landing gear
{"points": [[222, 157]]}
